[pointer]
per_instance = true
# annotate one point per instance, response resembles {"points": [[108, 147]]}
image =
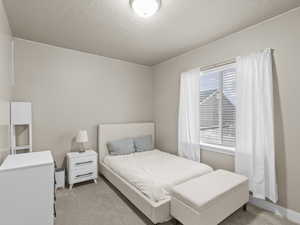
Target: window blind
{"points": [[217, 106]]}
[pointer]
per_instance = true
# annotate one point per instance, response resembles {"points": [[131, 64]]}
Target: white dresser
{"points": [[82, 167], [27, 189]]}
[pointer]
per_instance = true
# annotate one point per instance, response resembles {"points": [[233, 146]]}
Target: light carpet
{"points": [[102, 204]]}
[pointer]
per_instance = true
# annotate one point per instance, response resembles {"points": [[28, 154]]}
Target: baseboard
{"points": [[278, 210]]}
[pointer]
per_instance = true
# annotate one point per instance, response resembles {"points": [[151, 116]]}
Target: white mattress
{"points": [[155, 172]]}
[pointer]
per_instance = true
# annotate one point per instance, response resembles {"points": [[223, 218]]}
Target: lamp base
{"points": [[82, 148]]}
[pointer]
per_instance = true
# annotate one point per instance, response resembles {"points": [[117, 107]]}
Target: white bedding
{"points": [[155, 172]]}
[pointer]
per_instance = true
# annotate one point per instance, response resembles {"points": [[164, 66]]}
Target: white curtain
{"points": [[189, 115], [255, 155]]}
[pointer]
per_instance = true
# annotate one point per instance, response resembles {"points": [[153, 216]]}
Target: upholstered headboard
{"points": [[111, 132]]}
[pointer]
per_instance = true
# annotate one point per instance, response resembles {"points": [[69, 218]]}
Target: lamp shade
{"points": [[82, 136]]}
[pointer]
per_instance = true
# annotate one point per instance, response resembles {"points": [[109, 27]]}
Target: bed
{"points": [[145, 178]]}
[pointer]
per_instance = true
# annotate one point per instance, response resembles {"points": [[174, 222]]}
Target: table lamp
{"points": [[82, 137]]}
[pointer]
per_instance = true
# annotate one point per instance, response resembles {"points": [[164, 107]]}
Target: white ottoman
{"points": [[209, 199]]}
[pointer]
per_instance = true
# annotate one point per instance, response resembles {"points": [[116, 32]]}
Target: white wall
{"points": [[72, 90], [5, 81], [283, 35]]}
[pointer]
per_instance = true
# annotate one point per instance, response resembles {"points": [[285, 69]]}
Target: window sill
{"points": [[218, 149]]}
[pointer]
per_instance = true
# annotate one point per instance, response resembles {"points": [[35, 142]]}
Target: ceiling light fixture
{"points": [[145, 8]]}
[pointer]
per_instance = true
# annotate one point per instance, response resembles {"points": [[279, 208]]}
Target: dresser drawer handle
{"points": [[84, 175], [83, 163]]}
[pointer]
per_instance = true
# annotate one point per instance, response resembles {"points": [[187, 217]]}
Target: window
{"points": [[217, 108]]}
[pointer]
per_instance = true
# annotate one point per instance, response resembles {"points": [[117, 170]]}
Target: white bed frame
{"points": [[157, 212]]}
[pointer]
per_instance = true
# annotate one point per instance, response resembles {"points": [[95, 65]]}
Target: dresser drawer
{"points": [[83, 162], [82, 175]]}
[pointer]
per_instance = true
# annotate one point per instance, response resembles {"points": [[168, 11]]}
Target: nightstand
{"points": [[82, 167]]}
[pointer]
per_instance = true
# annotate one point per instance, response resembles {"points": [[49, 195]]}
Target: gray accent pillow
{"points": [[144, 143], [121, 147]]}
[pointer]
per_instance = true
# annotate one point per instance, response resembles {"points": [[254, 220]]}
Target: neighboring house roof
{"points": [[209, 119], [209, 110], [205, 94]]}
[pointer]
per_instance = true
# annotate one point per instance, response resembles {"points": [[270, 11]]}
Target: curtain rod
{"points": [[226, 62], [213, 66]]}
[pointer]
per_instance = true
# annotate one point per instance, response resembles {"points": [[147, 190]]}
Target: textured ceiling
{"points": [[110, 28]]}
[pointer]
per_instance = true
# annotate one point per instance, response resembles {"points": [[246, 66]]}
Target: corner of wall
{"points": [[6, 68]]}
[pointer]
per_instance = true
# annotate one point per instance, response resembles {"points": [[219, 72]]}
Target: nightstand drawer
{"points": [[82, 175], [83, 162]]}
